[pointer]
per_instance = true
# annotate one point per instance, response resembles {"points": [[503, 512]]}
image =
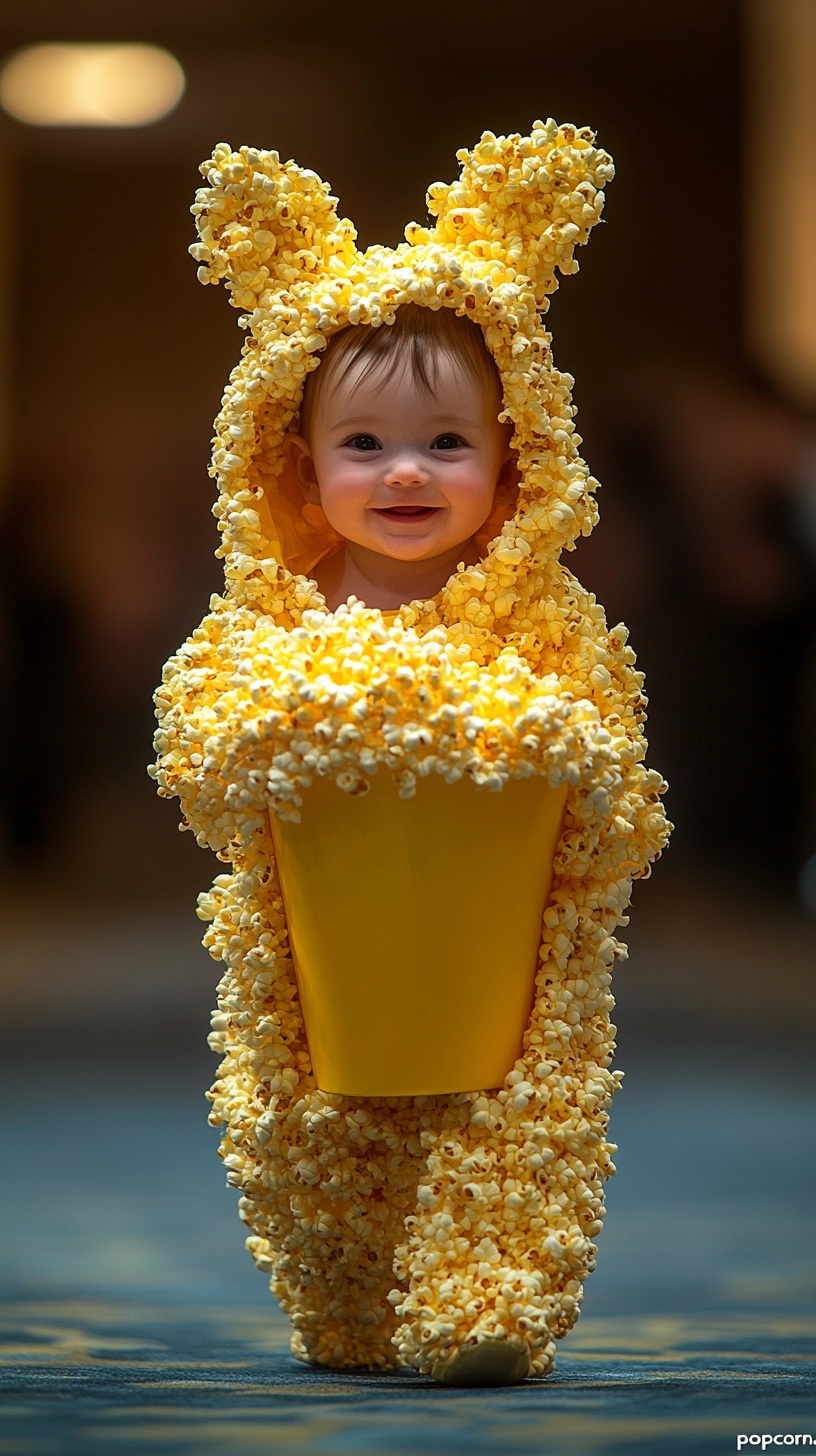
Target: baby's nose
{"points": [[407, 468]]}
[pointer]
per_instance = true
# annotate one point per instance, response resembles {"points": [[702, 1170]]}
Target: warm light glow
{"points": [[91, 85], [781, 192]]}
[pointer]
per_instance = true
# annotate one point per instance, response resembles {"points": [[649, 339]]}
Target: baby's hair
{"points": [[421, 335]]}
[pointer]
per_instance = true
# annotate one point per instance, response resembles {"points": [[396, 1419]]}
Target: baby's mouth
{"points": [[407, 513]]}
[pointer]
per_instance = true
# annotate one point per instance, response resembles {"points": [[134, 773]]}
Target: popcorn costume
{"points": [[446, 1231]]}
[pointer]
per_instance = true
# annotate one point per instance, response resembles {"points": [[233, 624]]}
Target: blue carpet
{"points": [[134, 1321]]}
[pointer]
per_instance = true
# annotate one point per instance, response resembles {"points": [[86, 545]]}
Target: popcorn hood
{"points": [[502, 232]]}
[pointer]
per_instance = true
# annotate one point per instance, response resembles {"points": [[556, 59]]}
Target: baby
{"points": [[397, 432], [402, 453]]}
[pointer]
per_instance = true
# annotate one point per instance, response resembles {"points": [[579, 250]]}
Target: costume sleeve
{"points": [[195, 741]]}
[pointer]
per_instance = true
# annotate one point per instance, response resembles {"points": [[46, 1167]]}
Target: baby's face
{"points": [[403, 472]]}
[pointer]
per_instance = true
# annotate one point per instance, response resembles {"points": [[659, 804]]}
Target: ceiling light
{"points": [[91, 85]]}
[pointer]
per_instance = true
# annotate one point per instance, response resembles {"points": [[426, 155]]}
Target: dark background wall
{"points": [[115, 359]]}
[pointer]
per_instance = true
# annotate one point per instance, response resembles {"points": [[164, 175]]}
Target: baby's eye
{"points": [[448, 442], [363, 442]]}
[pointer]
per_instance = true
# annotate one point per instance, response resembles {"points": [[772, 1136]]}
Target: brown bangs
{"points": [[419, 336]]}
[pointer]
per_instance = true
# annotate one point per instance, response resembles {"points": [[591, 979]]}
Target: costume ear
{"points": [[526, 200], [264, 224]]}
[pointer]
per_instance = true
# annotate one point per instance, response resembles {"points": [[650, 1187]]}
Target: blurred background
{"points": [[691, 333]]}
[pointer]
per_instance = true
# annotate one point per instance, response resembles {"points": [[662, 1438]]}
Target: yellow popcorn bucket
{"points": [[415, 926]]}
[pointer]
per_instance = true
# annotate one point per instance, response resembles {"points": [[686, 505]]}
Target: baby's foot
{"points": [[487, 1362]]}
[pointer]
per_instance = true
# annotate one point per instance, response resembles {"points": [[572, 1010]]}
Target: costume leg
{"points": [[326, 1181], [357, 1175], [501, 1242]]}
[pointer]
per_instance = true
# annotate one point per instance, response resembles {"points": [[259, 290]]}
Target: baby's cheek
{"points": [[472, 497], [343, 496]]}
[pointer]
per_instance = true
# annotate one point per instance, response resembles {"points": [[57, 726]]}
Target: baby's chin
{"points": [[426, 547]]}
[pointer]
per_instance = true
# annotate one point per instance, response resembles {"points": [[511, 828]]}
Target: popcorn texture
{"points": [[396, 1230]]}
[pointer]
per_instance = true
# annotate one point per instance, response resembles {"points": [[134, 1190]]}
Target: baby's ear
{"points": [[526, 200], [264, 224]]}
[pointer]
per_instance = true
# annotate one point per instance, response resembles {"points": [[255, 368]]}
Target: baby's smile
{"points": [[407, 513]]}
